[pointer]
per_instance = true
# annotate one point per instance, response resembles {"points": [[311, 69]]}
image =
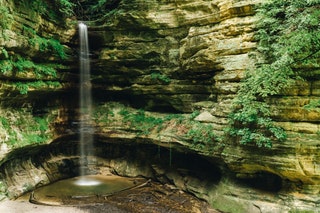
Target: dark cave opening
{"points": [[264, 181]]}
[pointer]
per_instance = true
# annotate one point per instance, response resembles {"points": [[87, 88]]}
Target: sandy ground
{"points": [[26, 207]]}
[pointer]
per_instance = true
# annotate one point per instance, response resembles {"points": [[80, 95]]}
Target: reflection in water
{"points": [[87, 181], [82, 187]]}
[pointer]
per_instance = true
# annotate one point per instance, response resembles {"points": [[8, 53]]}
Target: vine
{"points": [[289, 40]]}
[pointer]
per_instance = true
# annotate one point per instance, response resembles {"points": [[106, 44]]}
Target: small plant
{"points": [[6, 18], [5, 53], [4, 122], [194, 114], [313, 105], [22, 128], [141, 121], [201, 135], [24, 65], [6, 66], [24, 87], [163, 78], [65, 7], [47, 45]]}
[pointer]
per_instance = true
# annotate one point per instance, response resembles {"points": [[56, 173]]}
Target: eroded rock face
{"points": [[173, 54], [189, 55], [180, 56]]}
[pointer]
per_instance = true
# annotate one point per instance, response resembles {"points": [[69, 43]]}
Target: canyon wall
{"points": [[175, 57], [187, 56]]}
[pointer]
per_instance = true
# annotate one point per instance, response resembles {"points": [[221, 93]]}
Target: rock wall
{"points": [[172, 54], [30, 46], [191, 55], [177, 56]]}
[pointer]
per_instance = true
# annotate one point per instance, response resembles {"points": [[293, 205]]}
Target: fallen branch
{"points": [[33, 200], [131, 188]]}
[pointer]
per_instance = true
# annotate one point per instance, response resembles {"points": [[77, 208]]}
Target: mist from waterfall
{"points": [[86, 127]]}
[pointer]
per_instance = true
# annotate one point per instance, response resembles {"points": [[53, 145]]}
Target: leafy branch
{"points": [[288, 34]]}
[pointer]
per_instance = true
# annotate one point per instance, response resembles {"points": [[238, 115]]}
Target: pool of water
{"points": [[92, 187], [109, 193]]}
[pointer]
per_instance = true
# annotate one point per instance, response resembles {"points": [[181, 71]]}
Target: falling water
{"points": [[86, 128]]}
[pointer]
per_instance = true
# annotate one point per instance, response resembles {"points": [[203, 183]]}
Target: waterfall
{"points": [[86, 127]]}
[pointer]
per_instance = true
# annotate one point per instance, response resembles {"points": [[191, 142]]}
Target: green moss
{"points": [[313, 105], [6, 18], [20, 128], [56, 10], [301, 211], [140, 121], [227, 205], [6, 66], [46, 45], [49, 45], [199, 135], [161, 77], [24, 87]]}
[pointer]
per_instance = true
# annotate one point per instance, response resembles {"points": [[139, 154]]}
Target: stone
{"points": [[201, 49], [205, 117]]}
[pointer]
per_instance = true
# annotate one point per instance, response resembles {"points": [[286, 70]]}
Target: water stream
{"points": [[86, 128]]}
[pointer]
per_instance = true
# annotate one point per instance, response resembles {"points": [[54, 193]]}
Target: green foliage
{"points": [[97, 6], [21, 128], [194, 114], [6, 66], [5, 53], [56, 10], [6, 18], [158, 76], [65, 7], [288, 34], [21, 64], [4, 122], [45, 44], [142, 122], [313, 105], [24, 87], [102, 7], [15, 63], [39, 6], [200, 135]]}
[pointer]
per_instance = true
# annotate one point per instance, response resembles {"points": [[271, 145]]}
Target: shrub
{"points": [[288, 34]]}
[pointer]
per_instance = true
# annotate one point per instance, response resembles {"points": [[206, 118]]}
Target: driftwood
{"points": [[131, 188], [33, 200]]}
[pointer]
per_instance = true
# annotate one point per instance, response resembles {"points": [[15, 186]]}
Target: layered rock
{"points": [[174, 53], [184, 56], [33, 54], [203, 48]]}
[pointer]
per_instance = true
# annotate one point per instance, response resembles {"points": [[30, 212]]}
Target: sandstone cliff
{"points": [[179, 57]]}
